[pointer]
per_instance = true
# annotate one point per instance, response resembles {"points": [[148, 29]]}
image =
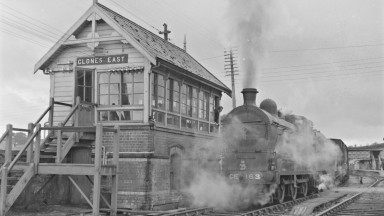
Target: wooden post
{"points": [[59, 141], [3, 191], [30, 148], [97, 177], [37, 148], [8, 145], [52, 105], [115, 179], [77, 114]]}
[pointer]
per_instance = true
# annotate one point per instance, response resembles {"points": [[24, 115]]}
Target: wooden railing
{"points": [[60, 154]]}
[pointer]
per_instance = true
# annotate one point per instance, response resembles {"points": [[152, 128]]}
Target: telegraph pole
{"points": [[231, 69]]}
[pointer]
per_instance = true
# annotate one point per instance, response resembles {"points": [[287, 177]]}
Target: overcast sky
{"points": [[320, 59]]}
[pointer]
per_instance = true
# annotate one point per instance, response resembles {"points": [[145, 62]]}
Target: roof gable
{"points": [[149, 44]]}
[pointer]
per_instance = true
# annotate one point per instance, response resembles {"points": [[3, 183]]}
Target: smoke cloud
{"points": [[250, 27]]}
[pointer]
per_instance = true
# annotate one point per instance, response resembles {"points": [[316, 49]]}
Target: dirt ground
{"points": [[49, 210]]}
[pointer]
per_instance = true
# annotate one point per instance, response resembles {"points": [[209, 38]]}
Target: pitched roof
{"points": [[377, 146], [162, 49]]}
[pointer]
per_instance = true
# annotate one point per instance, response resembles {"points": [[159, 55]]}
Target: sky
{"points": [[319, 59]]}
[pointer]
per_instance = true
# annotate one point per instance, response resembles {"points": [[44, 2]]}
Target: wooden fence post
{"points": [[30, 148], [115, 178], [8, 145], [3, 190], [37, 148], [97, 177], [59, 141]]}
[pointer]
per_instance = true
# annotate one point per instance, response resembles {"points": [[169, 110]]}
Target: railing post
{"points": [[115, 161], [58, 147], [3, 191], [30, 148], [37, 148], [77, 116], [52, 105], [96, 177], [8, 145]]}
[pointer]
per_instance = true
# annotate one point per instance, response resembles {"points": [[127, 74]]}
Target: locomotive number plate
{"points": [[247, 176]]}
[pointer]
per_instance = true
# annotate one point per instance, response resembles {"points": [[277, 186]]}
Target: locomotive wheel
{"points": [[280, 193], [304, 188], [293, 191]]}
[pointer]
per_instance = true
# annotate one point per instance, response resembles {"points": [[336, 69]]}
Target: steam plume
{"points": [[249, 26]]}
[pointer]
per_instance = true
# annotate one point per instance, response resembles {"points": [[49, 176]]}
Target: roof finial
{"points": [[185, 42], [165, 32], [94, 2]]}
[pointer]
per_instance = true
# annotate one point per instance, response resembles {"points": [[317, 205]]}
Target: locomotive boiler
{"points": [[258, 153]]}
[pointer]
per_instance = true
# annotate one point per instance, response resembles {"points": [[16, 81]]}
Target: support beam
{"points": [[115, 179], [30, 148], [58, 147], [81, 191], [97, 177], [3, 191]]}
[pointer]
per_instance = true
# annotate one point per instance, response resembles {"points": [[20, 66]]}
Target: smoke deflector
{"points": [[249, 96]]}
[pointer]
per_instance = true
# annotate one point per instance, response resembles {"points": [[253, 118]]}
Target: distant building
{"points": [[367, 157]]}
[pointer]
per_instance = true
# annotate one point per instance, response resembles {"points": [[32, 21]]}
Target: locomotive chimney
{"points": [[249, 95]]}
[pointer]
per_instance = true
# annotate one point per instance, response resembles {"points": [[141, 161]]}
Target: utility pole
{"points": [[231, 69]]}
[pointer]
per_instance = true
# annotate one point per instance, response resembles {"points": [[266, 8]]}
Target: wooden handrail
{"points": [[72, 129], [21, 129], [29, 141], [3, 136], [64, 104], [71, 114], [42, 116]]}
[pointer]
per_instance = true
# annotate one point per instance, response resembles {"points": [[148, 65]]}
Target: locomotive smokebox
{"points": [[249, 96]]}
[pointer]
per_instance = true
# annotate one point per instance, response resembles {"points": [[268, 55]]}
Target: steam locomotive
{"points": [[281, 157]]}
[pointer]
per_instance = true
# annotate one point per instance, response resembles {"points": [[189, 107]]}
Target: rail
{"points": [[346, 202]]}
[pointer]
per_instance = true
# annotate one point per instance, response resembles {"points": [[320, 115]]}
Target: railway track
{"points": [[368, 202], [277, 209]]}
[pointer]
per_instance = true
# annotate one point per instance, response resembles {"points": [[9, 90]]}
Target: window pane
{"points": [[137, 115], [175, 107], [139, 77], [103, 116], [103, 77], [160, 80], [88, 78], [103, 88], [114, 116], [80, 92], [138, 99], [103, 100], [126, 99], [160, 91], [114, 89], [115, 78], [183, 109], [80, 77], [160, 102], [139, 88], [126, 115], [127, 77], [114, 100], [88, 94]]}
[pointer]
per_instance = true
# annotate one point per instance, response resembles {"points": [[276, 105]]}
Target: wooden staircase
{"points": [[47, 157]]}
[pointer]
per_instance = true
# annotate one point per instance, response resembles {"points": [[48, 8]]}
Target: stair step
{"points": [[48, 156]]}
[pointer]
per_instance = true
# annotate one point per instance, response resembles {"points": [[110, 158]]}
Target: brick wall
{"points": [[144, 179]]}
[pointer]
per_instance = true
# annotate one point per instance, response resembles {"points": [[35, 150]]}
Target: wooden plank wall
{"points": [[63, 88]]}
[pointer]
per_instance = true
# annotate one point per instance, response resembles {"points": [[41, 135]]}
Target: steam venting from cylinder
{"points": [[249, 96]]}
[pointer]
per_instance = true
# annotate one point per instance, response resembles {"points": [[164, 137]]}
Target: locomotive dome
{"points": [[270, 106]]}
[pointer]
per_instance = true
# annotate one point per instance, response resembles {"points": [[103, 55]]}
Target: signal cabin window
{"points": [[84, 81], [121, 88], [203, 105], [173, 92], [158, 90]]}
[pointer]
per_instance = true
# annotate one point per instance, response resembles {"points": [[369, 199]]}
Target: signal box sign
{"points": [[100, 60]]}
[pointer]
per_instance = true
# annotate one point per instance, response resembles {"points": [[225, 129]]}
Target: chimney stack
{"points": [[249, 96]]}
